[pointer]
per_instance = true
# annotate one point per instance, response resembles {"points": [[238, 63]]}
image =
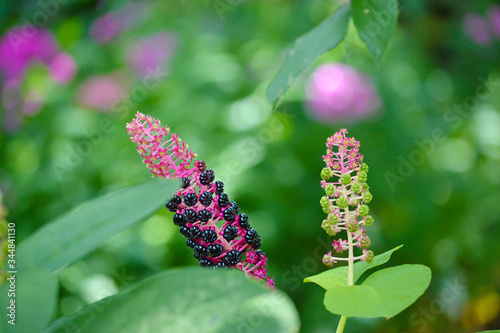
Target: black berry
{"points": [[204, 215], [223, 200], [190, 199], [206, 198], [179, 219], [195, 232], [229, 214], [190, 215], [191, 242], [235, 206], [185, 182], [253, 238], [209, 236], [244, 221], [232, 257], [207, 177], [205, 262], [219, 187], [215, 249], [184, 231], [172, 204], [200, 251], [230, 233], [221, 264]]}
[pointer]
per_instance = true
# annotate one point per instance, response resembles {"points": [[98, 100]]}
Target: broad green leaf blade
{"points": [[189, 300], [376, 21], [35, 301], [337, 277], [385, 293], [324, 37], [82, 230]]}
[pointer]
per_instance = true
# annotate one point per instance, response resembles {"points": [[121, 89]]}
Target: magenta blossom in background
{"points": [[477, 29], [152, 52], [337, 92], [63, 68], [494, 17], [101, 92], [105, 28]]}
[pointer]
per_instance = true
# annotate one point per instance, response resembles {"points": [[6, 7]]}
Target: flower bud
{"points": [[329, 189], [363, 210], [362, 177], [367, 196], [333, 218], [345, 179], [352, 225], [342, 202], [369, 256], [369, 221], [365, 242], [356, 187], [326, 173], [328, 260]]}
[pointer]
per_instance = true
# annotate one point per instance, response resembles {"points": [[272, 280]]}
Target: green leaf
{"points": [[35, 301], [82, 230], [189, 300], [385, 293], [337, 277], [376, 21], [324, 37]]}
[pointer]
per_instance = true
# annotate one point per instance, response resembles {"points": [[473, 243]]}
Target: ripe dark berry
{"points": [[200, 251], [235, 206], [172, 204], [202, 166], [253, 238], [191, 242], [205, 263], [215, 249], [190, 215], [244, 221], [229, 214], [260, 253], [206, 198], [179, 219], [207, 177], [223, 200], [221, 264], [204, 215], [190, 199], [195, 232], [219, 187], [232, 257], [230, 233], [185, 182], [209, 236], [184, 231]]}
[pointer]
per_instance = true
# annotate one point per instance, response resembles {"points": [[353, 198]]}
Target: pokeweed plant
{"points": [[384, 293], [218, 233]]}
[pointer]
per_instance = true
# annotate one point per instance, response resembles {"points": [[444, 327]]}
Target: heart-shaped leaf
{"points": [[82, 230], [385, 293], [324, 37], [188, 300], [337, 277], [376, 21]]}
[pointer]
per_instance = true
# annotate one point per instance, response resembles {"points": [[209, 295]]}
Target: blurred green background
{"points": [[215, 59]]}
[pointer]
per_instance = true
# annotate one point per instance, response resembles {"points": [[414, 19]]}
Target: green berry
{"points": [[363, 210], [326, 173], [366, 187], [362, 177], [329, 189], [365, 168], [333, 218], [369, 257], [365, 242], [342, 202], [345, 179], [369, 221], [325, 225], [368, 197], [352, 225], [356, 187]]}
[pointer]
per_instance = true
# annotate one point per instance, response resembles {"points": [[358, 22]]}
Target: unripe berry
{"points": [[365, 242], [363, 210], [352, 225], [326, 173], [333, 218], [356, 187], [362, 177], [367, 197], [365, 167], [325, 225], [329, 189], [369, 257], [369, 221], [345, 179], [342, 202]]}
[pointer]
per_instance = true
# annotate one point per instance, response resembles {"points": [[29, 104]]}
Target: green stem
{"points": [[341, 326]]}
